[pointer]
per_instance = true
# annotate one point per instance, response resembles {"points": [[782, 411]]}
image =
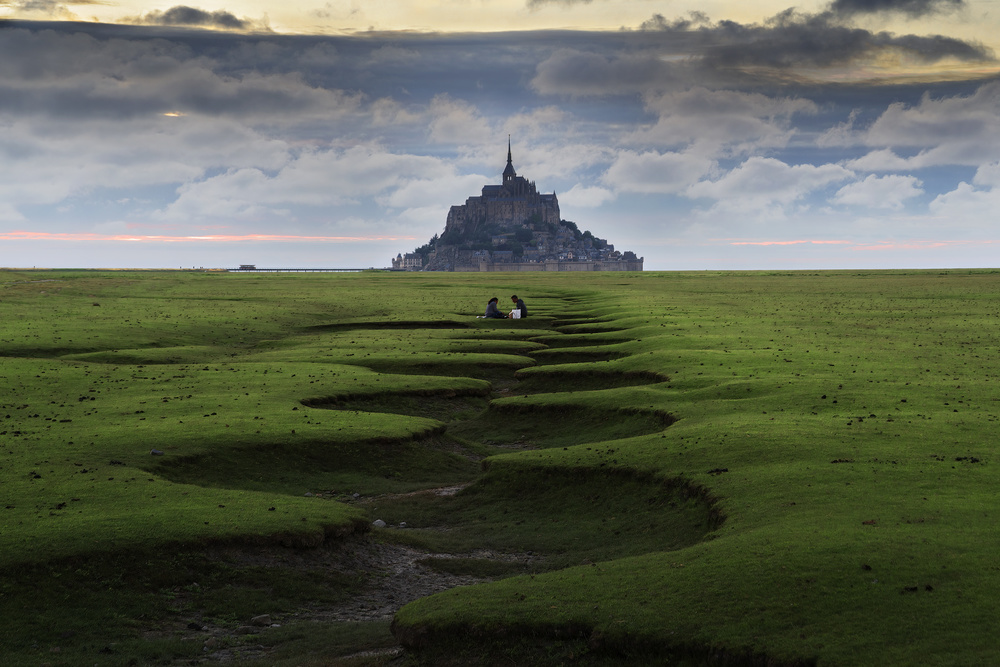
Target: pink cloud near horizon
{"points": [[870, 245], [50, 236], [765, 243]]}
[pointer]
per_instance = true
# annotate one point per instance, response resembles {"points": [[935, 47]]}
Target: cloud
{"points": [[790, 48], [314, 180], [722, 121], [571, 71], [651, 172], [440, 188], [456, 122], [658, 23], [387, 112], [968, 207], [912, 8], [793, 40], [961, 129], [77, 76], [880, 160], [48, 8], [46, 163], [391, 54], [791, 242], [181, 15], [972, 205], [762, 182], [536, 123], [77, 237], [584, 196], [9, 213], [880, 192], [956, 129], [988, 175]]}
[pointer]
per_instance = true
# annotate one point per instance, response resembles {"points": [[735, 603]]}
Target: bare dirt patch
{"points": [[390, 576]]}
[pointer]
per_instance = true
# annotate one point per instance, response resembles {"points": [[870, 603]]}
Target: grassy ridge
{"points": [[790, 467]]}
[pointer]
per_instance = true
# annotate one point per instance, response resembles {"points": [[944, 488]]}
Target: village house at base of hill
{"points": [[513, 227]]}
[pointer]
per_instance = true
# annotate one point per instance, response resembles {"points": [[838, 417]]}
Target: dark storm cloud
{"points": [[791, 39], [41, 6], [50, 8], [81, 71], [658, 22], [286, 81], [46, 6], [664, 54], [81, 68], [913, 8], [182, 15]]}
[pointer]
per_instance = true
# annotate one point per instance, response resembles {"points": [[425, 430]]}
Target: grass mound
{"points": [[445, 407], [526, 424], [576, 355], [579, 340], [383, 325], [466, 365], [331, 470], [569, 644]]}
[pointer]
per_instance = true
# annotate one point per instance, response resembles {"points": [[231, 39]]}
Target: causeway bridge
{"points": [[250, 268]]}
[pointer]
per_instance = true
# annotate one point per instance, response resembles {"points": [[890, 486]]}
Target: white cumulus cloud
{"points": [[586, 196], [651, 172], [721, 121], [890, 192], [761, 182]]}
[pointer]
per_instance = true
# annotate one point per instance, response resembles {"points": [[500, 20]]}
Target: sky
{"points": [[710, 135]]}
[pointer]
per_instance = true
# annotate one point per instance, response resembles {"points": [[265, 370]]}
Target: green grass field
{"points": [[684, 468]]}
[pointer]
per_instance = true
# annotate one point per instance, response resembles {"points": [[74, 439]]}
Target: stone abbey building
{"points": [[514, 203], [513, 227]]}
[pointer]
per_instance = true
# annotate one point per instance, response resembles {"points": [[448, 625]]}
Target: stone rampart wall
{"points": [[552, 265]]}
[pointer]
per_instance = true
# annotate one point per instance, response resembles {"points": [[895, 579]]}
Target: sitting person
{"points": [[519, 306], [493, 310]]}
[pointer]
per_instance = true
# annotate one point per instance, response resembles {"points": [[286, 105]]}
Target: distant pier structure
{"points": [[252, 268]]}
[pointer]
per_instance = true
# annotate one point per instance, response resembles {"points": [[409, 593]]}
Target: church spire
{"points": [[508, 172]]}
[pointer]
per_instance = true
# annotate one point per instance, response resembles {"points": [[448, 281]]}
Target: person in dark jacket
{"points": [[519, 305], [493, 310]]}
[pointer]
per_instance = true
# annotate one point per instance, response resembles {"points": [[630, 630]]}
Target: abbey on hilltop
{"points": [[513, 227]]}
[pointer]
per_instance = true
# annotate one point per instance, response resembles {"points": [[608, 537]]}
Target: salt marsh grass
{"points": [[796, 468]]}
